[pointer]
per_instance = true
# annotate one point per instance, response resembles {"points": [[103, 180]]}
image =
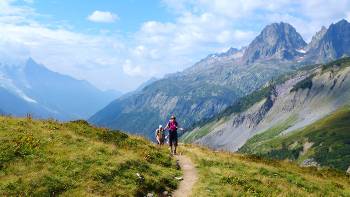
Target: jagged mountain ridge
{"points": [[333, 43], [315, 41], [211, 85]]}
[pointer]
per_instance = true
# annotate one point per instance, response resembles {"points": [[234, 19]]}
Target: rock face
{"points": [[310, 163], [316, 39], [277, 41], [290, 105], [331, 44]]}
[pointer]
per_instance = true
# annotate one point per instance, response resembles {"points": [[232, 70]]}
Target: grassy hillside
{"points": [[192, 136], [329, 139], [229, 174], [48, 158]]}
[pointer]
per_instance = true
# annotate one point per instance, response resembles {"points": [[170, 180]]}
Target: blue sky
{"points": [[118, 44], [131, 13]]}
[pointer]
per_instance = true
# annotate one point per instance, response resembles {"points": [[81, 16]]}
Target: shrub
{"points": [[25, 144], [116, 137], [303, 84], [81, 122]]}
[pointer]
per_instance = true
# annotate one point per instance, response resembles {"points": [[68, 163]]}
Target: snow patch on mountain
{"points": [[8, 84]]}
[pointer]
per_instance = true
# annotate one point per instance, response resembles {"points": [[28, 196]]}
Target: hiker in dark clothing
{"points": [[172, 126]]}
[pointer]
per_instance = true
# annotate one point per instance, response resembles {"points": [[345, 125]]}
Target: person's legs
{"points": [[171, 143], [158, 140], [175, 143], [162, 140]]}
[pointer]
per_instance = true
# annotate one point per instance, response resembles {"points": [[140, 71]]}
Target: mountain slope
{"points": [[153, 105], [65, 97], [326, 142], [298, 101], [12, 104], [48, 158]]}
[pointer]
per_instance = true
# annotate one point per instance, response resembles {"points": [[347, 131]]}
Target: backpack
{"points": [[160, 133]]}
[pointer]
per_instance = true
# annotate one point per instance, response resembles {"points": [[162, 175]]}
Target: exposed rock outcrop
{"points": [[310, 163]]}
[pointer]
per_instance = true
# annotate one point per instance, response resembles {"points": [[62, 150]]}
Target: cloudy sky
{"points": [[118, 44]]}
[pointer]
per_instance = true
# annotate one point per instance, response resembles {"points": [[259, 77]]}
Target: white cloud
{"points": [[62, 50], [199, 27], [306, 16], [15, 14], [205, 26], [103, 17], [170, 47]]}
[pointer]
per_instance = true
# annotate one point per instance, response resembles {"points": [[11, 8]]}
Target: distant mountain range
{"points": [[218, 81], [34, 89]]}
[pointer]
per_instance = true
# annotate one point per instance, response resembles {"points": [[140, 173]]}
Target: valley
{"points": [[217, 98]]}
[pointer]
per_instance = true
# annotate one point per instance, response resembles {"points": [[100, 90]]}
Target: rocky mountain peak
{"points": [[342, 27], [315, 41], [331, 43], [31, 64], [276, 41], [231, 51], [342, 22]]}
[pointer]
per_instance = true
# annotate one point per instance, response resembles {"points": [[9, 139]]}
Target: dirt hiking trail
{"points": [[190, 176]]}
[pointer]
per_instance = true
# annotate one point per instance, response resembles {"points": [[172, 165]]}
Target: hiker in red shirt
{"points": [[172, 126]]}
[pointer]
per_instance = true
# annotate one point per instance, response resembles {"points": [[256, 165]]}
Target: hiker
{"points": [[160, 135], [172, 126]]}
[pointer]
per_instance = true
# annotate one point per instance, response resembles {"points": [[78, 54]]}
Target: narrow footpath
{"points": [[190, 177]]}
